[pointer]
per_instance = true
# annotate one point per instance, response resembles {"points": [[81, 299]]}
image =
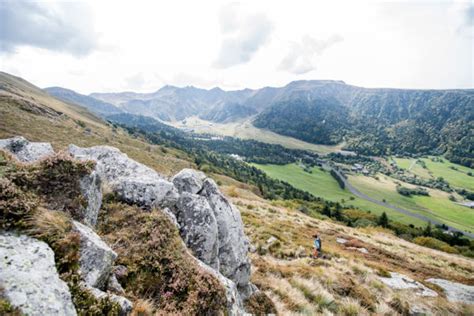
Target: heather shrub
{"points": [[435, 244]]}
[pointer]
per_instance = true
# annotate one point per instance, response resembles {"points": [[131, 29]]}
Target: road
{"points": [[361, 195]]}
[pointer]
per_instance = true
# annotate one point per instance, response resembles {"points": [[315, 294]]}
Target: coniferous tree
{"points": [[383, 220]]}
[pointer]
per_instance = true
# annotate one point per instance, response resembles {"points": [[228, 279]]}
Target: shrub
{"points": [[434, 244], [260, 304], [159, 266], [362, 222]]}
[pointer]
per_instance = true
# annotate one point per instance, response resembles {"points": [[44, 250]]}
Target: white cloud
{"points": [[301, 56], [244, 35], [58, 26]]}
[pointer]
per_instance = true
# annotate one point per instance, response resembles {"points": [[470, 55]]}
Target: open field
{"points": [[436, 206], [321, 183], [245, 130], [455, 174]]}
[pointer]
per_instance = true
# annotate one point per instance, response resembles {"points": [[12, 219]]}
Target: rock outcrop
{"points": [[455, 292], [131, 181], [399, 281], [231, 259], [209, 224], [29, 278], [96, 257], [26, 151]]}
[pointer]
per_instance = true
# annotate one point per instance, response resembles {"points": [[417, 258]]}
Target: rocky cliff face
{"points": [[208, 223]]}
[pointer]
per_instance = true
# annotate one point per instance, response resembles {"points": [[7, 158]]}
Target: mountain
{"points": [[94, 105], [173, 104], [377, 121]]}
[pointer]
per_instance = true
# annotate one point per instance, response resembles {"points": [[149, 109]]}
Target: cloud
{"points": [[300, 58], [470, 14], [58, 26], [244, 35]]}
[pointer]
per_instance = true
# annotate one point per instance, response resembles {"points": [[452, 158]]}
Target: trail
{"points": [[361, 195]]}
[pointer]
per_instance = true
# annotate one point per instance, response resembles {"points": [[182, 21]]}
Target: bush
{"points": [[362, 222], [160, 268], [435, 244], [260, 304]]}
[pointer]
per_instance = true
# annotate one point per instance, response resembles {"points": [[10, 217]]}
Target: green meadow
{"points": [[321, 183]]}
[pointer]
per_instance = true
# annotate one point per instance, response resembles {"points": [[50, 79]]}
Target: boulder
{"points": [[399, 281], [92, 192], [455, 292], [96, 257], [189, 180], [125, 305], [198, 227], [232, 243], [132, 181], [114, 286], [341, 240], [26, 151], [29, 278]]}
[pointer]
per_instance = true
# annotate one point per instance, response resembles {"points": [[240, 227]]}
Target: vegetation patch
{"points": [[159, 267]]}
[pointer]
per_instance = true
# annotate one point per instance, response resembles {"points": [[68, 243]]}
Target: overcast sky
{"points": [[142, 45]]}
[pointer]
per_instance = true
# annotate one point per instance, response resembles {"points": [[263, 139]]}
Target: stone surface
{"points": [[92, 192], [29, 278], [232, 244], [25, 150], [341, 240], [455, 292], [132, 181], [125, 305], [114, 286], [402, 282], [271, 240], [189, 180], [96, 257], [198, 227]]}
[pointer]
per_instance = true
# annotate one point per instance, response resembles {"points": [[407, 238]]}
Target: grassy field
{"points": [[245, 130], [436, 206], [321, 183], [455, 174]]}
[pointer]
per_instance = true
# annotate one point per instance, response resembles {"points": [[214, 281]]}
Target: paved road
{"points": [[361, 195]]}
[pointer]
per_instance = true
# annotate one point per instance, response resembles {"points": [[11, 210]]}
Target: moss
{"points": [[159, 267], [259, 304]]}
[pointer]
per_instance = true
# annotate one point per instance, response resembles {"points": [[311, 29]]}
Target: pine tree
{"points": [[383, 220], [337, 212], [326, 210], [428, 230]]}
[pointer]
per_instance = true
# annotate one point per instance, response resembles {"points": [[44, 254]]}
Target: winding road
{"points": [[361, 195]]}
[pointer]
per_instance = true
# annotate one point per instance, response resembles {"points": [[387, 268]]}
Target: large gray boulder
{"points": [[232, 260], [125, 305], [132, 181], [96, 257], [29, 278], [198, 227], [26, 151], [455, 292]]}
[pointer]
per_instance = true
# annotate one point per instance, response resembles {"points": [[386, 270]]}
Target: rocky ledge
{"points": [[210, 226]]}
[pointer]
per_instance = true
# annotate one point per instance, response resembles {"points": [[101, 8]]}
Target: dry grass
{"points": [[347, 283]]}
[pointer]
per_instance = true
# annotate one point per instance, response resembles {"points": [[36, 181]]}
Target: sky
{"points": [[133, 45]]}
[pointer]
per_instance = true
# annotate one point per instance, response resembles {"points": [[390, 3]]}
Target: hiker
{"points": [[317, 246]]}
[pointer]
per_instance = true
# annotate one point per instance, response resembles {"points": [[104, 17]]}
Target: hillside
{"points": [[378, 121], [93, 105], [162, 275], [28, 111], [370, 121]]}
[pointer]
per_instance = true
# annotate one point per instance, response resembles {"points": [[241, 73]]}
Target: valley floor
{"points": [[437, 207]]}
